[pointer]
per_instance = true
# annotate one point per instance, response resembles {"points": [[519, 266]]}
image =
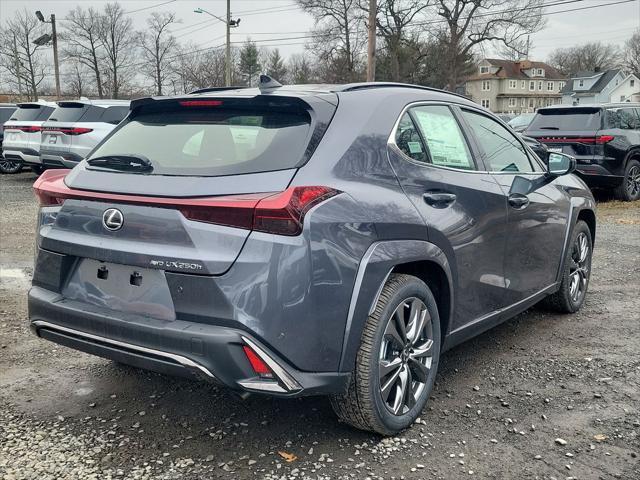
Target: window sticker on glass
{"points": [[444, 139], [414, 147]]}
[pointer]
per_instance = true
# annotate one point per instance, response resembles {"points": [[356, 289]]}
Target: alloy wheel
{"points": [[579, 267], [7, 166], [633, 181], [406, 356]]}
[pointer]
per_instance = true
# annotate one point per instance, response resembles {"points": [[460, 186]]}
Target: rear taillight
{"points": [[596, 140], [23, 128], [68, 130], [200, 103], [279, 213]]}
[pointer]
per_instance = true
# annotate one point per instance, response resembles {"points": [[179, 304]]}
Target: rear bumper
{"points": [[24, 155], [597, 176], [175, 347], [56, 159]]}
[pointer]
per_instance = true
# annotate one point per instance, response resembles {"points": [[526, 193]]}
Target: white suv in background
{"points": [[22, 135], [76, 127]]}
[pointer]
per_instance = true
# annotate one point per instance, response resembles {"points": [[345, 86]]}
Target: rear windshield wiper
{"points": [[122, 162], [549, 128]]}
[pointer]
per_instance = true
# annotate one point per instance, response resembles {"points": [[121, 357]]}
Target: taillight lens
{"points": [[68, 130], [284, 212], [23, 128]]}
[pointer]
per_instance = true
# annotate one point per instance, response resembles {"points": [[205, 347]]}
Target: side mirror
{"points": [[560, 164]]}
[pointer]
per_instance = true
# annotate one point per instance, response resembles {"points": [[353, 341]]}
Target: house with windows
{"points": [[504, 86], [606, 86]]}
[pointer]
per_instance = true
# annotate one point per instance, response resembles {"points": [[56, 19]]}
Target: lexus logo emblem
{"points": [[112, 219]]}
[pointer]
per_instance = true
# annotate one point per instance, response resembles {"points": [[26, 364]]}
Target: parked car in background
{"points": [[521, 122], [6, 110], [306, 240], [540, 149], [21, 145], [603, 138], [76, 127], [505, 117]]}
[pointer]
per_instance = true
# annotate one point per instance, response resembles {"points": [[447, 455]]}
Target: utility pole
{"points": [[56, 65], [227, 55], [228, 23], [371, 46], [44, 39]]}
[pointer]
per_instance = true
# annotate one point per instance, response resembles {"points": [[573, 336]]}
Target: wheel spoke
{"points": [[419, 369], [400, 321], [403, 385], [418, 316], [391, 333], [424, 350], [389, 385], [386, 367]]}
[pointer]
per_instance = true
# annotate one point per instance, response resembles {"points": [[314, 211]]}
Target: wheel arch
{"points": [[589, 217], [423, 259]]}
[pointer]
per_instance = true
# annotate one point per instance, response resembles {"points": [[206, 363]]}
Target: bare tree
{"points": [[632, 54], [590, 57], [118, 38], [82, 41], [515, 51], [157, 44], [77, 76], [472, 23], [339, 38], [20, 58], [300, 69], [393, 19], [195, 69]]}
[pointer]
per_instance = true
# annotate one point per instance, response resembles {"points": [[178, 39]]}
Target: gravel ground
{"points": [[542, 396]]}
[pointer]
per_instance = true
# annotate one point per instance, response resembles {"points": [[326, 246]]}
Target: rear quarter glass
{"points": [[31, 114], [213, 141]]}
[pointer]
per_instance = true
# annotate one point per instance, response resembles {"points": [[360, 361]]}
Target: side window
{"points": [[408, 140], [445, 142], [114, 115], [502, 152]]}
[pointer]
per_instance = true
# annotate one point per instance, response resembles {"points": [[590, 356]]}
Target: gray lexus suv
{"points": [[306, 240]]}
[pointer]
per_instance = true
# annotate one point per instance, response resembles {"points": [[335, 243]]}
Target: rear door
{"points": [[464, 208], [538, 209]]}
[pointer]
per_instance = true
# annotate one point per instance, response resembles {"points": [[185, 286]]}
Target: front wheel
{"points": [[397, 361], [9, 166], [577, 271], [630, 188]]}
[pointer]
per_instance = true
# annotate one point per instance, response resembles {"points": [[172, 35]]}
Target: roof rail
{"points": [[217, 89], [350, 87]]}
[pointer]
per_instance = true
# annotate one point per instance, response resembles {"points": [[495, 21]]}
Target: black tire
{"points": [[37, 169], [564, 301], [629, 190], [9, 166], [363, 405]]}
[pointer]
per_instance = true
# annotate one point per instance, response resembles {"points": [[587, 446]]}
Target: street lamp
{"points": [[46, 38], [229, 23]]}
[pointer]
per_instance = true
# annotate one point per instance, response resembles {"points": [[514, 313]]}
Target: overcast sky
{"points": [[269, 21]]}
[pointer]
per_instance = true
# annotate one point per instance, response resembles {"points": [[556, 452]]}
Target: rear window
{"points": [[213, 141], [566, 119], [34, 113], [69, 113]]}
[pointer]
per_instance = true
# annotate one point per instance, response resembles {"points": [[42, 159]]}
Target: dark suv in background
{"points": [[306, 240], [603, 138]]}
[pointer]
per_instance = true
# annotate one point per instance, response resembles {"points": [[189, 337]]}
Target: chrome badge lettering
{"points": [[172, 264]]}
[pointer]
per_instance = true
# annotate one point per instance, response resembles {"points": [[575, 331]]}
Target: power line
{"points": [[150, 7]]}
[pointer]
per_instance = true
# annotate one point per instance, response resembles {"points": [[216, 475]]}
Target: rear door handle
{"points": [[518, 201], [439, 199]]}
